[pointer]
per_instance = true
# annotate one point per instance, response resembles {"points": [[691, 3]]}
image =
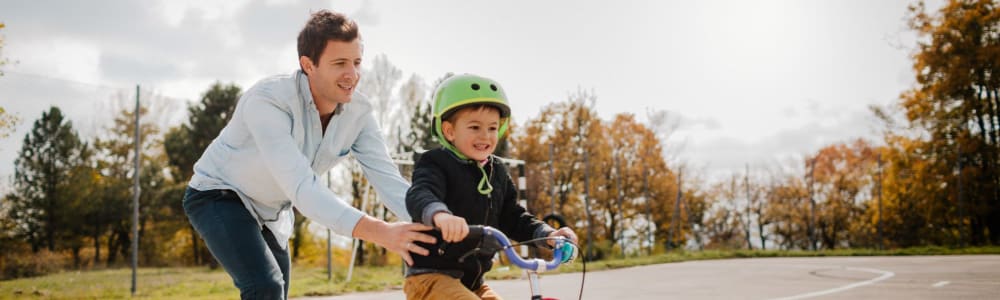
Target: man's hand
{"points": [[565, 232], [396, 237], [453, 228]]}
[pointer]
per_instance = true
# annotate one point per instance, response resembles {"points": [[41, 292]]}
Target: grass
{"points": [[188, 283], [202, 283]]}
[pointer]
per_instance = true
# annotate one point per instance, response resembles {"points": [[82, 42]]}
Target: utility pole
{"points": [[746, 229], [552, 171], [135, 196], [649, 216], [329, 242], [586, 204], [677, 209], [812, 204], [621, 219], [878, 193], [961, 203]]}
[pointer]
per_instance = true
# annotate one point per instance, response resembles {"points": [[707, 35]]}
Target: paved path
{"points": [[903, 277]]}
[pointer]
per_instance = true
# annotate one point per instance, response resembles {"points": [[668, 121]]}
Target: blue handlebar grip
{"points": [[480, 231]]}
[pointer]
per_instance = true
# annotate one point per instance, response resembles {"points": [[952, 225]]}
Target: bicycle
{"points": [[533, 266]]}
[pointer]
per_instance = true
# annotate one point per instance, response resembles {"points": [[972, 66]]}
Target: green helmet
{"points": [[465, 89]]}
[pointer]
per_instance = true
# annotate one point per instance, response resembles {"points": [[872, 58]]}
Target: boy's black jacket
{"points": [[441, 177]]}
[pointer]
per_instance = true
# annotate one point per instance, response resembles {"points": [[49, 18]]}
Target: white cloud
{"points": [[749, 80], [175, 12], [65, 58]]}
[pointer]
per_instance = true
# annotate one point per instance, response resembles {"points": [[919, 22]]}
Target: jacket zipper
{"points": [[486, 219]]}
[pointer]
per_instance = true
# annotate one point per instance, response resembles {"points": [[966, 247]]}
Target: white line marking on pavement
{"points": [[885, 275], [941, 283]]}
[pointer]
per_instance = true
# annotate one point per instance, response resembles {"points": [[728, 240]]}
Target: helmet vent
{"points": [[493, 87], [475, 86]]}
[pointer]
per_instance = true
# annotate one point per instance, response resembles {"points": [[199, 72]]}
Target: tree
{"points": [[787, 211], [631, 154], [379, 84], [43, 203], [723, 224], [184, 144], [568, 146], [115, 159], [843, 176], [7, 120], [956, 102]]}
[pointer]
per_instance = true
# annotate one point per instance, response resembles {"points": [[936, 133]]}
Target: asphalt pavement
{"points": [[875, 277]]}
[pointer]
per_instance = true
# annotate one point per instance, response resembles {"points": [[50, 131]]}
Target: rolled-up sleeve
{"points": [[270, 125]]}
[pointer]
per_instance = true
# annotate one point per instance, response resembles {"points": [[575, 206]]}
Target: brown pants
{"points": [[432, 286]]}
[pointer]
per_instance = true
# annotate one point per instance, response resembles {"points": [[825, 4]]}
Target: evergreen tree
{"points": [[42, 204]]}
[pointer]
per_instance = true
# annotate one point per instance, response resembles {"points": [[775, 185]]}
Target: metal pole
{"points": [[586, 204], [618, 188], [878, 192], [329, 243], [356, 243], [677, 208], [812, 204], [746, 184], [135, 196], [649, 217], [522, 195], [961, 204], [552, 171]]}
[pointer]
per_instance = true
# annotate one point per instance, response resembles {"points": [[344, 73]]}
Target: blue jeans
{"points": [[252, 257]]}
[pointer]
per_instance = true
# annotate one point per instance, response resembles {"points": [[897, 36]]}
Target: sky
{"points": [[762, 83]]}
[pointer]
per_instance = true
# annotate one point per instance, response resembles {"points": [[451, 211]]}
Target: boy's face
{"points": [[474, 131], [334, 78]]}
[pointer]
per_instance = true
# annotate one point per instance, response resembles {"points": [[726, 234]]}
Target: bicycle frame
{"points": [[532, 266]]}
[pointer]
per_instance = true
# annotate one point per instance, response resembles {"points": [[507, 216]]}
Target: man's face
{"points": [[335, 76]]}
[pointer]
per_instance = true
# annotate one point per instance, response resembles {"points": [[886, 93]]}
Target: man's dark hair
{"points": [[323, 26]]}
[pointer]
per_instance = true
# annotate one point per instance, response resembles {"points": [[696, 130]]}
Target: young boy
{"points": [[463, 183]]}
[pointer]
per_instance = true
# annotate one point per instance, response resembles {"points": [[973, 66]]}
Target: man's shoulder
{"points": [[275, 85]]}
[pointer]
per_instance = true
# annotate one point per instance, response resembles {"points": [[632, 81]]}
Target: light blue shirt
{"points": [[273, 151]]}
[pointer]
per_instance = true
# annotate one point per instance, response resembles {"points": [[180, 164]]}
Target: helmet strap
{"points": [[485, 187]]}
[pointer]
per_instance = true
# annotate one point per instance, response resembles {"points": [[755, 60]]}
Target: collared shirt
{"points": [[273, 151]]}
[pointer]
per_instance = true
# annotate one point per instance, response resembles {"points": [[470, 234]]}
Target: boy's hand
{"points": [[453, 228], [564, 232]]}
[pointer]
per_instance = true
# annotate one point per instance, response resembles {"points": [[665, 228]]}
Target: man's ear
{"points": [[449, 130], [306, 64]]}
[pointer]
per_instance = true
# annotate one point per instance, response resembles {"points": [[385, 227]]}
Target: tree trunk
{"points": [[76, 257], [760, 233], [360, 261], [97, 243], [112, 247], [976, 228]]}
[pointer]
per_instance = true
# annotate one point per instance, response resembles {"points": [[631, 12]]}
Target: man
{"points": [[285, 130]]}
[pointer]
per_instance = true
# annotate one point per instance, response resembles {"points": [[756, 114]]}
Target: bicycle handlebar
{"points": [[536, 264]]}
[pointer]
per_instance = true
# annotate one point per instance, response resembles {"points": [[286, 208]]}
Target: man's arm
{"points": [[370, 151]]}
